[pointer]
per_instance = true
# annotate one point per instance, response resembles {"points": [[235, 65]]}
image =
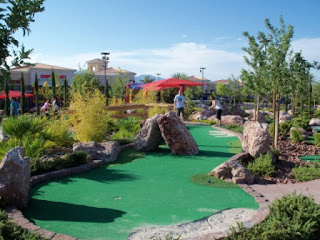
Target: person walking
{"points": [[216, 105], [13, 107], [179, 101]]}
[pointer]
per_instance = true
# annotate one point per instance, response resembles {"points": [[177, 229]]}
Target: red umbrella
{"points": [[170, 82], [15, 94]]}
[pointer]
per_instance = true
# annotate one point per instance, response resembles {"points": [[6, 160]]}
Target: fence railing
{"points": [[123, 108]]}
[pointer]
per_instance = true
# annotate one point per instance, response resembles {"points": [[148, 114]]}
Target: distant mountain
{"points": [[142, 76]]}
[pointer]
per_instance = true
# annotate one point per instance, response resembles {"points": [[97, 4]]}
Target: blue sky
{"points": [[167, 36]]}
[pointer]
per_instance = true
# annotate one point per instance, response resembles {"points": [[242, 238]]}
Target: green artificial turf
{"points": [[137, 191], [315, 158], [205, 180]]}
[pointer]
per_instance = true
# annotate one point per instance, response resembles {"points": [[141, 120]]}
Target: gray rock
{"points": [[176, 135], [285, 116], [237, 110], [233, 169], [105, 151], [229, 119], [3, 136], [314, 122], [149, 138], [15, 178], [303, 132], [256, 138]]}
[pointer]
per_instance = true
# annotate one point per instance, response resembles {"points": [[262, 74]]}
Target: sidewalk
{"points": [[273, 191]]}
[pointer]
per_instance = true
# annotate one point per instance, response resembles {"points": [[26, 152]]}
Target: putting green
{"points": [[315, 158], [112, 201]]}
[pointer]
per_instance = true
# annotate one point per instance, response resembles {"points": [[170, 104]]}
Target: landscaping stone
{"points": [[285, 116], [3, 136], [256, 138], [229, 119], [15, 178], [106, 151], [234, 170], [176, 135], [314, 122], [237, 110], [202, 115], [149, 138]]}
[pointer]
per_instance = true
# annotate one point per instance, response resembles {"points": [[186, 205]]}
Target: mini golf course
{"points": [[140, 190]]}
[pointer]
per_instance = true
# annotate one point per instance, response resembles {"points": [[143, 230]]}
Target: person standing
{"points": [[13, 107], [179, 101], [216, 104]]}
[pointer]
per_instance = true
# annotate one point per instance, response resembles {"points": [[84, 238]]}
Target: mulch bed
{"points": [[288, 159]]}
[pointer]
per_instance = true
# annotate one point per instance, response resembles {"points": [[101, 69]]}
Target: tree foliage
{"points": [[84, 80], [178, 75], [147, 79], [118, 87]]}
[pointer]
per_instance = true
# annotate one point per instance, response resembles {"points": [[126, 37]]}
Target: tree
{"points": [[53, 83], [222, 89], [65, 87], [178, 75], [234, 88], [118, 87], [36, 91], [147, 79], [84, 80], [22, 98], [15, 15]]}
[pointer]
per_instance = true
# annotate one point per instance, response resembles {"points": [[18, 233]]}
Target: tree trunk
{"points": [[276, 130], [258, 108], [255, 108], [301, 105], [286, 103], [293, 104], [274, 116]]}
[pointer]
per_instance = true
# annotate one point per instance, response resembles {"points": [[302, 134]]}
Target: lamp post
{"points": [[202, 71], [106, 90], [158, 75]]}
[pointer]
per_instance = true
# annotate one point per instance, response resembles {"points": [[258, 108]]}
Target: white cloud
{"points": [[182, 57], [310, 48]]}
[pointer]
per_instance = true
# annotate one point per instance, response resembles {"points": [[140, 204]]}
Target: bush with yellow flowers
{"points": [[90, 117]]}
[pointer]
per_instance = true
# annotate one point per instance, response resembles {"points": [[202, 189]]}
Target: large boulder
{"points": [[105, 151], [285, 116], [149, 138], [256, 138], [15, 178], [229, 119], [176, 135], [303, 132], [314, 122], [234, 170], [237, 110], [262, 118], [202, 115]]}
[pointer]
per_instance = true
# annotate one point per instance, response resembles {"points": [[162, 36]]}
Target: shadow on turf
{"points": [[60, 211]]}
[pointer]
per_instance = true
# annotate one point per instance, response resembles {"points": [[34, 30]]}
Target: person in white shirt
{"points": [[179, 101], [216, 104]]}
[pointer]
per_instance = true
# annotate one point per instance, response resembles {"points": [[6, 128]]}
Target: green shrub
{"points": [[39, 165], [301, 123], [128, 128], [316, 139], [317, 114], [262, 166], [206, 121], [306, 173], [291, 217], [284, 127], [57, 131], [270, 129], [296, 136], [10, 231], [168, 237], [269, 118], [24, 126]]}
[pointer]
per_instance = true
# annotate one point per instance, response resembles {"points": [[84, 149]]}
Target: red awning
{"points": [[15, 94], [169, 83]]}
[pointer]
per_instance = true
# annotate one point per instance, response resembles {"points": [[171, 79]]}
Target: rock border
{"points": [[17, 217]]}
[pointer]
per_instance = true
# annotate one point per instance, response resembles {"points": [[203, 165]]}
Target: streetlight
{"points": [[158, 75], [202, 71], [106, 90]]}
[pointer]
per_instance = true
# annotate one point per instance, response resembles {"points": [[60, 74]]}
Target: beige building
{"points": [[43, 72], [100, 69], [206, 87]]}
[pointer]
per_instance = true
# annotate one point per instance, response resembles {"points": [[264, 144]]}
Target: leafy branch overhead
{"points": [[14, 16]]}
